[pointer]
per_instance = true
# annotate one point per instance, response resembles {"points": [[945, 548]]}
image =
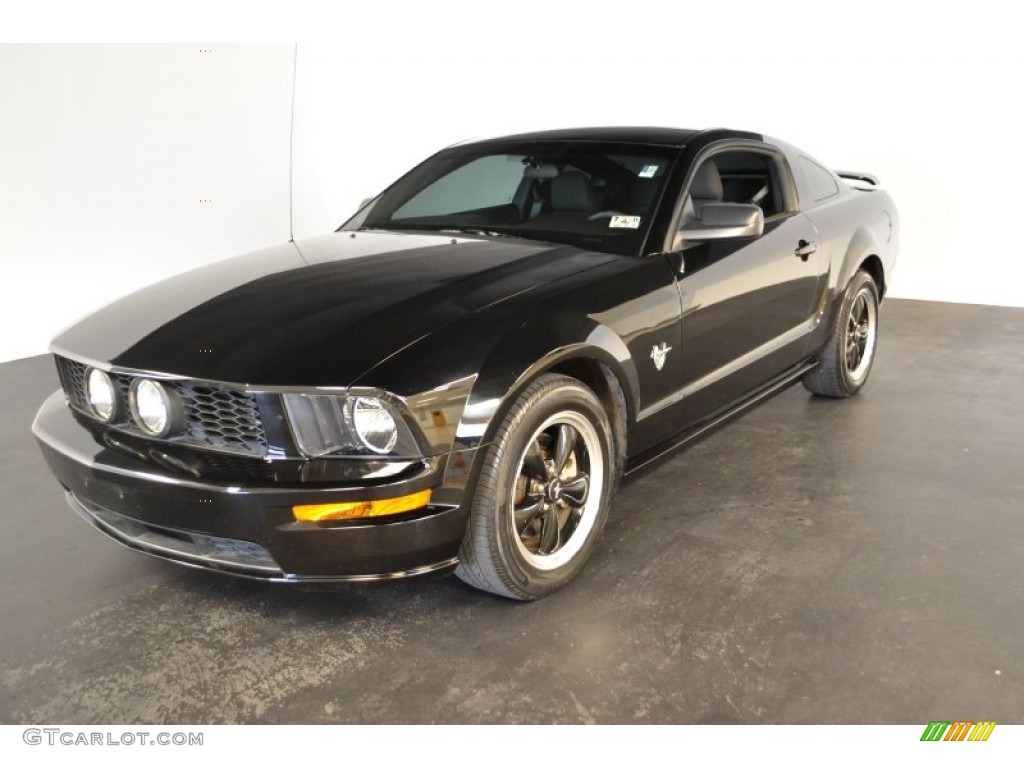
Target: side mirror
{"points": [[720, 221], [366, 201]]}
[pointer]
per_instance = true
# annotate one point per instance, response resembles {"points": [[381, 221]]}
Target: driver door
{"points": [[746, 302]]}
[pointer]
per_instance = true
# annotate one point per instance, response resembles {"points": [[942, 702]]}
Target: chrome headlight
{"points": [[348, 425], [373, 424], [100, 392], [151, 406]]}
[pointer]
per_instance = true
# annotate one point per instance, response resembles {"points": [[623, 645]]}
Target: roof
{"points": [[627, 134]]}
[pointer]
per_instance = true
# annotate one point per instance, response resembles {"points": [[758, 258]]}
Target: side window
{"points": [[750, 177], [821, 183], [484, 183]]}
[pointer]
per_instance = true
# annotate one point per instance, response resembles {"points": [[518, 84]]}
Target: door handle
{"points": [[805, 248]]}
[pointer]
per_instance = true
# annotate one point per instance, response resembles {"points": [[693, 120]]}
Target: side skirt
{"points": [[773, 387]]}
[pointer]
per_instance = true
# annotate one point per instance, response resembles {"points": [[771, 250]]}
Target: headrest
{"points": [[542, 171], [707, 184], [572, 191]]}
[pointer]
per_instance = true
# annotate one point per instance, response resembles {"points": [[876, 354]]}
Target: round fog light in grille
{"points": [[99, 390], [374, 425], [151, 406]]}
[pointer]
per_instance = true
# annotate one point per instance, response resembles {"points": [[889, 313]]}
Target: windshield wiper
{"points": [[478, 231], [448, 229]]}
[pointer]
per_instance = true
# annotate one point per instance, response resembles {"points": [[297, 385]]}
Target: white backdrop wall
{"points": [[106, 152], [107, 156], [923, 98]]}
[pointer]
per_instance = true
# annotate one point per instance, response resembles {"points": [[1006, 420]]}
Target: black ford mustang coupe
{"points": [[460, 375]]}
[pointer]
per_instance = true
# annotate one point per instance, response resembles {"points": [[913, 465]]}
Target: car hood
{"points": [[319, 312]]}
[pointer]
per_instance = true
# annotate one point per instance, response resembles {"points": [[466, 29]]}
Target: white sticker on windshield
{"points": [[625, 222], [648, 171]]}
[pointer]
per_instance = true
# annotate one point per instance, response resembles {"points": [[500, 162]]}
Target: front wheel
{"points": [[543, 492], [845, 361]]}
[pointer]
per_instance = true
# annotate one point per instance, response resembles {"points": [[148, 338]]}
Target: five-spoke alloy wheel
{"points": [[543, 491], [861, 332], [557, 491], [845, 361]]}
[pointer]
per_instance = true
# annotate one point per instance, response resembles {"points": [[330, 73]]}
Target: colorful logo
{"points": [[958, 730]]}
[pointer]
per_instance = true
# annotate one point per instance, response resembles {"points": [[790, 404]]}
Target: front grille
{"points": [[72, 379], [222, 418], [221, 466], [215, 417]]}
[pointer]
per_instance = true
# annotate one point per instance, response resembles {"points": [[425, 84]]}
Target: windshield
{"points": [[595, 195]]}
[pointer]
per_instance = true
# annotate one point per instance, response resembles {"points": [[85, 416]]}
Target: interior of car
{"points": [[553, 197], [737, 177], [602, 198], [579, 194]]}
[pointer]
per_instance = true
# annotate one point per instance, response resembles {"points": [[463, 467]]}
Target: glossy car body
{"points": [[447, 327]]}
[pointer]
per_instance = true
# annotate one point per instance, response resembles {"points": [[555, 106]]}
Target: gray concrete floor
{"points": [[813, 561]]}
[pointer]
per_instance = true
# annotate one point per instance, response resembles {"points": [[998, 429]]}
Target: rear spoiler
{"points": [[867, 178]]}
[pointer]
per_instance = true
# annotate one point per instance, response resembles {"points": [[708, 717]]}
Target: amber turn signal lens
{"points": [[350, 510]]}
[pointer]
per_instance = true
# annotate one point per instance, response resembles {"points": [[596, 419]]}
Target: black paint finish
{"points": [[316, 313], [415, 312]]}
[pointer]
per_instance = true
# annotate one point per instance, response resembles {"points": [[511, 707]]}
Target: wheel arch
{"points": [[872, 264], [605, 383], [862, 253], [600, 360]]}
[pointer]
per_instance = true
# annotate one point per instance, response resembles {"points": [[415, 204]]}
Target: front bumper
{"points": [[250, 531]]}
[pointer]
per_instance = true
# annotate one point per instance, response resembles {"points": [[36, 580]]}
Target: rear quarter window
{"points": [[820, 182]]}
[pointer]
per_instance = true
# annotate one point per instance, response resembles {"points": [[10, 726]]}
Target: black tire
{"points": [[845, 361], [510, 547]]}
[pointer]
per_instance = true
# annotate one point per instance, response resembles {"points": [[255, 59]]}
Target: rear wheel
{"points": [[845, 361], [543, 492]]}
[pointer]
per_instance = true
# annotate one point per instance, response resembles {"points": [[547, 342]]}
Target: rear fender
{"points": [[863, 245]]}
